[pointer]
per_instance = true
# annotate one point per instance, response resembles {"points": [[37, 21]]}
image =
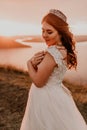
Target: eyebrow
{"points": [[47, 29]]}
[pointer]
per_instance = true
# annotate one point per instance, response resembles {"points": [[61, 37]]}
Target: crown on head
{"points": [[59, 14]]}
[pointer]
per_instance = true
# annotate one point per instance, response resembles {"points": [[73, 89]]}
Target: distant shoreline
{"points": [[78, 38], [81, 38], [17, 41]]}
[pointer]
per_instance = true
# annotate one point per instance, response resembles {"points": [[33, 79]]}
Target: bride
{"points": [[50, 105]]}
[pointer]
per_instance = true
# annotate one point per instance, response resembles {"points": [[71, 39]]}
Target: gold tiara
{"points": [[59, 14]]}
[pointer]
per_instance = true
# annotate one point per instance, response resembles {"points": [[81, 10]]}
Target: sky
{"points": [[19, 17]]}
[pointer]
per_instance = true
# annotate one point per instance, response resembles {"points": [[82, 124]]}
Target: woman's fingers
{"points": [[41, 53], [37, 58]]}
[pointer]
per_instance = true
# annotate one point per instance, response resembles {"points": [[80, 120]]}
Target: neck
{"points": [[60, 46], [59, 43]]}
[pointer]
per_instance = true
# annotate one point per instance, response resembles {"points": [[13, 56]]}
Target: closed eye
{"points": [[49, 32]]}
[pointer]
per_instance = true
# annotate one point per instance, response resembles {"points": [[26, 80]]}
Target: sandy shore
{"points": [[14, 88]]}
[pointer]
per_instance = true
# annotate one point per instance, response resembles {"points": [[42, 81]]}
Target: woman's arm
{"points": [[45, 69]]}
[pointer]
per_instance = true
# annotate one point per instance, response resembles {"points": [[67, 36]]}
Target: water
{"points": [[18, 57]]}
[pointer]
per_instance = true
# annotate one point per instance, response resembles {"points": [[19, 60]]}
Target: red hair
{"points": [[66, 37]]}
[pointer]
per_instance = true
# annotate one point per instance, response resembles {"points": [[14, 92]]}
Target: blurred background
{"points": [[20, 38], [20, 30]]}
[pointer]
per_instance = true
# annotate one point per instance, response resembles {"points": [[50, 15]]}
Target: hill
{"points": [[9, 42]]}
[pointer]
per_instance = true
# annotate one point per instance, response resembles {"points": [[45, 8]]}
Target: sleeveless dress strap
{"points": [[55, 54]]}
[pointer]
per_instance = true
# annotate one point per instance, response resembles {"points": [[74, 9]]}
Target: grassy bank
{"points": [[14, 88]]}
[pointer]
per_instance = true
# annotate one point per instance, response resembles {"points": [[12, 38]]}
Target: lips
{"points": [[47, 40]]}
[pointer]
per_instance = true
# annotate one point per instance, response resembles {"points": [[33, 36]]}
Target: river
{"points": [[19, 56]]}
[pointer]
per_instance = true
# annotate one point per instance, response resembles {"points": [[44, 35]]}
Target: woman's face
{"points": [[50, 34]]}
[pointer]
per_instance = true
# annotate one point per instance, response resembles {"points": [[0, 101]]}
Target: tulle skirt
{"points": [[51, 108]]}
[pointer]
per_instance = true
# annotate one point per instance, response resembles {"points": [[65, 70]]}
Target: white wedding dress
{"points": [[52, 107]]}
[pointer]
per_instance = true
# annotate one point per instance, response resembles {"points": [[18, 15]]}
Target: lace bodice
{"points": [[58, 73]]}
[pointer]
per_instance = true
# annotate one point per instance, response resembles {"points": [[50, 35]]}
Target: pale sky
{"points": [[19, 15]]}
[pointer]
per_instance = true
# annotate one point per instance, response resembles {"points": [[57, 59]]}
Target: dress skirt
{"points": [[52, 108]]}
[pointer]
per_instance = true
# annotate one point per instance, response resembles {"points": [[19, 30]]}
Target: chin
{"points": [[51, 44], [48, 44]]}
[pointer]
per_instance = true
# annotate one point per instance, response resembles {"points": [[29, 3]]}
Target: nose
{"points": [[45, 35]]}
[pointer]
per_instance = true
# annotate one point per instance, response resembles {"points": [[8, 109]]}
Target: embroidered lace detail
{"points": [[58, 72]]}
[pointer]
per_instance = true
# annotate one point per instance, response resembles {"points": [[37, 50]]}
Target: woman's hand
{"points": [[37, 58]]}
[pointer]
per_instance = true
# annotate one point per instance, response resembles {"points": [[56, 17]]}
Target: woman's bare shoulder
{"points": [[48, 61]]}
